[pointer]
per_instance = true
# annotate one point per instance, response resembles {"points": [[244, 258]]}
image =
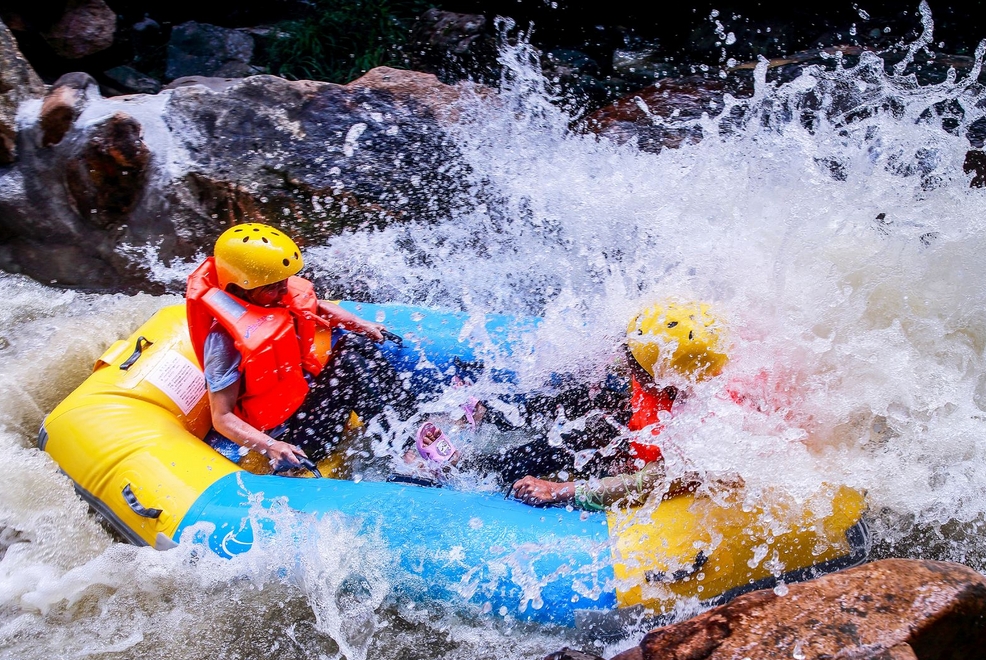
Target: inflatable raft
{"points": [[130, 438]]}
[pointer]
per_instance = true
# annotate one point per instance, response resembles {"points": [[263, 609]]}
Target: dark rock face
{"points": [[448, 31], [173, 171], [890, 609], [453, 45], [199, 49], [131, 81], [18, 83]]}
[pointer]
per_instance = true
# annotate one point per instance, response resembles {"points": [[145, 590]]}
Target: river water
{"points": [[842, 249]]}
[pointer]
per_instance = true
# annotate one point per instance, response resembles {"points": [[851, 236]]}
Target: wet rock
{"points": [[411, 89], [18, 83], [106, 178], [171, 171], [315, 157], [662, 115], [211, 83], [63, 104], [200, 49], [130, 80], [891, 609], [85, 27]]}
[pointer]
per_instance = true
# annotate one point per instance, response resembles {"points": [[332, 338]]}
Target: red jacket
{"points": [[645, 404], [276, 344]]}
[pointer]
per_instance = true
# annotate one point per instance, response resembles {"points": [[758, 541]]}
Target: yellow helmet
{"points": [[253, 255], [679, 339]]}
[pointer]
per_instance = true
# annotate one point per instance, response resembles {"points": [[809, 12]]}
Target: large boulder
{"points": [[18, 83], [172, 170], [85, 27], [890, 609]]}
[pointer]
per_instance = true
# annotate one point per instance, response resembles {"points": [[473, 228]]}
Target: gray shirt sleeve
{"points": [[222, 360]]}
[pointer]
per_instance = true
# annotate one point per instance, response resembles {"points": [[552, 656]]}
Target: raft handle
{"points": [[310, 466], [391, 336], [306, 463], [138, 508], [138, 351], [679, 575]]}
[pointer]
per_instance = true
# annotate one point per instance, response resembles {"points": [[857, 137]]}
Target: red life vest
{"points": [[276, 344], [645, 404]]}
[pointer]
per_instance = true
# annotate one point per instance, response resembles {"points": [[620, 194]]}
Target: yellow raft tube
{"points": [[130, 438]]}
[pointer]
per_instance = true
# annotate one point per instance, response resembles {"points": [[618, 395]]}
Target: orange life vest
{"points": [[646, 403], [276, 344]]}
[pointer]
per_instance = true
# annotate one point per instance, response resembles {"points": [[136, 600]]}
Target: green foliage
{"points": [[342, 39]]}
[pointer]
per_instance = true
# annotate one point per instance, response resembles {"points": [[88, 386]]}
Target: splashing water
{"points": [[827, 220]]}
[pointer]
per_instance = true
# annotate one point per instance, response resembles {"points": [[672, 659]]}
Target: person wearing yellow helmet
{"points": [[667, 346], [252, 322]]}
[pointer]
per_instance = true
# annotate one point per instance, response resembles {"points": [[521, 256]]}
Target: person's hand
{"points": [[372, 330], [430, 434], [538, 492], [283, 455]]}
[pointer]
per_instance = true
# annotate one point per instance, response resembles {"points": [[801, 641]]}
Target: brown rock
{"points": [[86, 27], [414, 87], [891, 609], [105, 180], [63, 104], [18, 83], [660, 116]]}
